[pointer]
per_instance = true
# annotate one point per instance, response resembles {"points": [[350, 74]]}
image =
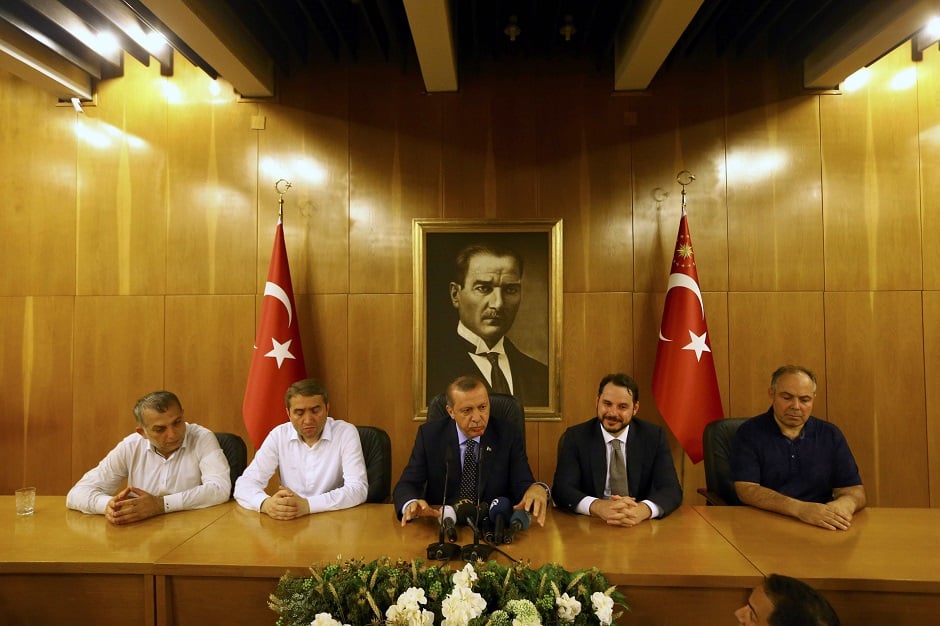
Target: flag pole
{"points": [[688, 177], [286, 184]]}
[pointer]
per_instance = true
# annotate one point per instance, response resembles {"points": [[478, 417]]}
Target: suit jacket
{"points": [[449, 359], [503, 467], [582, 466]]}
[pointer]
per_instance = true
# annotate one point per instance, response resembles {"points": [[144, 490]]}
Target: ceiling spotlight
{"points": [[512, 29]]}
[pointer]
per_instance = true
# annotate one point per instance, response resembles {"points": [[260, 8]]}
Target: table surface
{"points": [[886, 549], [674, 551]]}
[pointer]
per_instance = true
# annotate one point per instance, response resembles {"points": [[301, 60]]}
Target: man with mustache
{"points": [[167, 465], [791, 463], [615, 466], [487, 292]]}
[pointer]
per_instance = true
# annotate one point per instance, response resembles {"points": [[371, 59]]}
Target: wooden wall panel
{"points": [[932, 373], [211, 171], [309, 148], [394, 176], [768, 330], [583, 160], [676, 132], [122, 196], [208, 348], [871, 207], [774, 197], [380, 369], [489, 150], [876, 386], [36, 401], [119, 357], [324, 321], [37, 176], [928, 98]]}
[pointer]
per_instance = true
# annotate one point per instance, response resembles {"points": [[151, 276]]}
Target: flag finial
{"points": [[283, 182], [685, 177]]}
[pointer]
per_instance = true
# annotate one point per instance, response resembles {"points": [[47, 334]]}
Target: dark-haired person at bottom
{"points": [[616, 466], [499, 466], [785, 601]]}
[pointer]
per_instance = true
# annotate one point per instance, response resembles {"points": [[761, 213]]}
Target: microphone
{"points": [[500, 511], [442, 551], [466, 513], [476, 551], [520, 520]]}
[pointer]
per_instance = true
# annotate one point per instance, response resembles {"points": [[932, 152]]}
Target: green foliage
{"points": [[355, 592]]}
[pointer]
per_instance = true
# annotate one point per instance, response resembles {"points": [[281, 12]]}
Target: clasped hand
{"points": [[621, 511], [132, 505], [285, 504]]}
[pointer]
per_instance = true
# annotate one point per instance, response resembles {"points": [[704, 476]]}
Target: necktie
{"points": [[618, 471], [497, 379], [468, 477]]}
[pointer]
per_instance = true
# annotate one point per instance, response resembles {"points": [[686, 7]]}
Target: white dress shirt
{"points": [[194, 477], [330, 474]]}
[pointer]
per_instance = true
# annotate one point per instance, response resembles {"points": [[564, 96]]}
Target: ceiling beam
{"points": [[23, 56], [218, 37], [433, 34], [865, 38], [642, 47]]}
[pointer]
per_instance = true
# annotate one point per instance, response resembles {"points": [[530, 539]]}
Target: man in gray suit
{"points": [[592, 476]]}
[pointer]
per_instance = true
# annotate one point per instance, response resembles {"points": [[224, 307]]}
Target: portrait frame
{"points": [[537, 327]]}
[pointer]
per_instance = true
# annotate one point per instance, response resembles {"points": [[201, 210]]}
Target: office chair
{"points": [[236, 453], [502, 406], [377, 452], [717, 442]]}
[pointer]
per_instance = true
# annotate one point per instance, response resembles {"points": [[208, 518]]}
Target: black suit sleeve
{"points": [[414, 479], [661, 484], [573, 476]]}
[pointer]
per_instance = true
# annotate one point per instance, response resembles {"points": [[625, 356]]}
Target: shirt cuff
{"points": [[584, 506], [172, 502], [657, 512]]}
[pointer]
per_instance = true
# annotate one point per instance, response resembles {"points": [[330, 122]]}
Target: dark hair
{"points": [[620, 380], [791, 369], [466, 254], [463, 384], [306, 387], [797, 604], [159, 401]]}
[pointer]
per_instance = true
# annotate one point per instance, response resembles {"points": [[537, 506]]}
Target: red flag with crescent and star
{"points": [[278, 358], [685, 386]]}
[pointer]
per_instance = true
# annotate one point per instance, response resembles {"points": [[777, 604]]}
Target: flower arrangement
{"points": [[414, 593]]}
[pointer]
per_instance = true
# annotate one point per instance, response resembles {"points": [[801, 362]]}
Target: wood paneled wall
{"points": [[136, 237]]}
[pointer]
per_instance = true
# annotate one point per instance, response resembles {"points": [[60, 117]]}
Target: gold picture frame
{"points": [[534, 334]]}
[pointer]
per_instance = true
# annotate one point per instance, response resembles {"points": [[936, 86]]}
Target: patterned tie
{"points": [[498, 381], [618, 471], [468, 477]]}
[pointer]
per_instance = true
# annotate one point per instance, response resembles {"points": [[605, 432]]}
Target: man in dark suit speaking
{"points": [[487, 292], [483, 458], [615, 466]]}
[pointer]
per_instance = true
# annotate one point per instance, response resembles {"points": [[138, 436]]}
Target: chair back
{"points": [[717, 443], [502, 405], [377, 452], [236, 453]]}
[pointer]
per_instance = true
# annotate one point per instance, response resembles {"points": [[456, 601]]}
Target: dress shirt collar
{"points": [[326, 435], [608, 437], [187, 438], [479, 346]]}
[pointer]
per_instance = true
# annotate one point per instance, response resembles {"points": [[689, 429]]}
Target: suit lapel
{"points": [[634, 459], [598, 459]]}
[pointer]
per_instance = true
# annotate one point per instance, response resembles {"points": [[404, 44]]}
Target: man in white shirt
{"points": [[167, 465], [319, 460]]}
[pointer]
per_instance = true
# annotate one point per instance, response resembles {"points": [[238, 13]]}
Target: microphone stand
{"points": [[477, 551], [442, 551]]}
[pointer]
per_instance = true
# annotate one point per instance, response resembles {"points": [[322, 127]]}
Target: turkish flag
{"points": [[278, 358], [685, 386]]}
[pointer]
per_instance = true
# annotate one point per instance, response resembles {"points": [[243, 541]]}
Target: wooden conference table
{"points": [[219, 565]]}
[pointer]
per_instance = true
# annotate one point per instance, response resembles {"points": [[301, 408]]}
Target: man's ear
{"points": [[454, 290], [770, 392], [450, 411]]}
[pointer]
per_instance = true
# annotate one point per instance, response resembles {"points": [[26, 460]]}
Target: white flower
{"points": [[525, 613], [325, 619], [568, 608], [408, 612], [461, 606], [603, 607], [465, 577]]}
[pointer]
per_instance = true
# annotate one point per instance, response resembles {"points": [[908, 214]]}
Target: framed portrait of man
{"points": [[487, 302]]}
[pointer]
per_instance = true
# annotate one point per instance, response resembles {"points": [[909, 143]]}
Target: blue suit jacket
{"points": [[504, 466], [582, 466]]}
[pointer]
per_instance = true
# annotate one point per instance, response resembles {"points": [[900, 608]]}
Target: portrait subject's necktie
{"points": [[468, 477], [618, 471], [497, 379]]}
